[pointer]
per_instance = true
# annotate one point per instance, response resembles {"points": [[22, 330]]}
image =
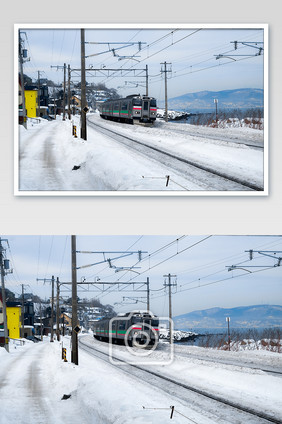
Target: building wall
{"points": [[31, 103], [14, 321]]}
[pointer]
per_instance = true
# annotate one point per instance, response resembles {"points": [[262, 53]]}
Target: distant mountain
{"points": [[257, 316], [227, 99]]}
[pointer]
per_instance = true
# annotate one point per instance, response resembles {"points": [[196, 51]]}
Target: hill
{"points": [[243, 98], [257, 316]]}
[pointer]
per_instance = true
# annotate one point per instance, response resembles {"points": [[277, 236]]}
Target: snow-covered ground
{"points": [[33, 380], [48, 152]]}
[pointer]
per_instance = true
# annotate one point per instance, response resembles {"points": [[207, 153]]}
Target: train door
{"points": [[146, 110]]}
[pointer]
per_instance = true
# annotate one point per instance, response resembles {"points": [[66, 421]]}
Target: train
{"points": [[137, 328], [132, 109]]}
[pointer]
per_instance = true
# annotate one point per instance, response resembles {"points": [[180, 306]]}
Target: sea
{"points": [[211, 337]]}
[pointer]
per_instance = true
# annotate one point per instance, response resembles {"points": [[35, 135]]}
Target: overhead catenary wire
{"points": [[157, 251], [170, 257], [164, 48]]}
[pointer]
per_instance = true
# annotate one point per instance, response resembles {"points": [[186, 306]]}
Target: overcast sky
{"points": [[191, 52], [199, 262]]}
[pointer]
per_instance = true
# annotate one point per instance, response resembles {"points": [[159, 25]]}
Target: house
{"points": [[31, 103], [14, 321], [13, 314], [65, 321]]}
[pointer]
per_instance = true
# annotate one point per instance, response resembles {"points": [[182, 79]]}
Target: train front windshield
{"points": [[149, 321]]}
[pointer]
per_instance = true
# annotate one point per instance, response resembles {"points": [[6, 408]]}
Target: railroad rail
{"points": [[264, 417], [267, 369], [253, 144], [202, 174]]}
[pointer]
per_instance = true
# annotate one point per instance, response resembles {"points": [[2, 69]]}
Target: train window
{"points": [[146, 105], [153, 103], [155, 323], [121, 326], [137, 102], [124, 106], [136, 319]]}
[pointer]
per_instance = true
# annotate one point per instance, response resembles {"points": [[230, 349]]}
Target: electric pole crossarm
{"points": [[124, 254], [122, 44], [111, 251], [111, 70], [267, 253]]}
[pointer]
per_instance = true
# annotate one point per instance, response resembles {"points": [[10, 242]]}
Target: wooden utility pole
{"points": [[64, 98], [23, 310], [69, 93], [58, 310], [52, 310], [74, 323], [83, 111], [4, 296], [38, 95], [41, 327], [169, 285], [21, 60]]}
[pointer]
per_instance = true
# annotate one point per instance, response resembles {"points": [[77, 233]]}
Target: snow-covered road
{"points": [[48, 152], [29, 391]]}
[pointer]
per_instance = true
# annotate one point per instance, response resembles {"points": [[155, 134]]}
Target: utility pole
{"points": [[41, 329], [64, 98], [4, 266], [74, 323], [228, 329], [22, 310], [165, 71], [147, 81], [216, 115], [52, 304], [55, 107], [38, 94], [58, 310], [22, 55], [83, 106], [52, 310], [69, 93], [148, 295], [169, 285]]}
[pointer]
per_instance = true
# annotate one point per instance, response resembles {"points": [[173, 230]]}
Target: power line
{"points": [[170, 257], [166, 47]]}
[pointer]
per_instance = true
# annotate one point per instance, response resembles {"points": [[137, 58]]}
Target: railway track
{"points": [[187, 393], [188, 169], [253, 144], [267, 369]]}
